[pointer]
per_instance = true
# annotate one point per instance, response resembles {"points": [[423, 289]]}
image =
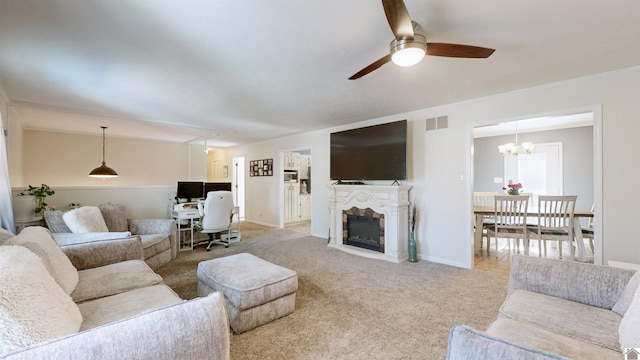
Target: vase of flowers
{"points": [[513, 189]]}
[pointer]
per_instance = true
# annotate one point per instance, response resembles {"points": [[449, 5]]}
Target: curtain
{"points": [[6, 210]]}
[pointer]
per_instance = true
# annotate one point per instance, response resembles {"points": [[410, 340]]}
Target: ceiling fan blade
{"points": [[371, 67], [398, 18], [457, 50]]}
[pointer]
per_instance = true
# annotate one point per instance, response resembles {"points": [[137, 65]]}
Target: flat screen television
{"points": [[377, 152], [189, 190], [215, 186]]}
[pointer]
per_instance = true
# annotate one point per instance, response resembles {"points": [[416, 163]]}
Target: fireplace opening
{"points": [[364, 229]]}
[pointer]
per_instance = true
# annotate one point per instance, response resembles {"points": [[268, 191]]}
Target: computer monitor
{"points": [[190, 190], [215, 186]]}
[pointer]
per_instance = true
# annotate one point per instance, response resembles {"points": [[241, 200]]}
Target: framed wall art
{"points": [[262, 167]]}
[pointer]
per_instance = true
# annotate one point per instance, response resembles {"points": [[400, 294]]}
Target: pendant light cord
{"points": [[103, 146]]}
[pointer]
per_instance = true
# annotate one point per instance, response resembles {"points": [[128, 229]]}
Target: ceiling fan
{"points": [[408, 48]]}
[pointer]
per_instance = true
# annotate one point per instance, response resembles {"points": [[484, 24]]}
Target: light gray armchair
{"points": [[557, 310]]}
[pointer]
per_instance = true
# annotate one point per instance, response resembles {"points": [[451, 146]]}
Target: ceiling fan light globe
{"points": [[407, 57], [408, 52]]}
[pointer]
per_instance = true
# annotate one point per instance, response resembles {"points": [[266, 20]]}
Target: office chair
{"points": [[216, 215]]}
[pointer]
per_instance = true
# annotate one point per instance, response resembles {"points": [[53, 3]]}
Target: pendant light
{"points": [[103, 171]]}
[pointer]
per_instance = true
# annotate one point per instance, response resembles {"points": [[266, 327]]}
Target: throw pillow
{"points": [[85, 219], [629, 331], [55, 222], [33, 308], [114, 216], [5, 235], [627, 295], [39, 240]]}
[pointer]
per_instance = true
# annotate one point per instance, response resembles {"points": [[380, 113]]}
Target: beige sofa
{"points": [[158, 236], [558, 310], [99, 300]]}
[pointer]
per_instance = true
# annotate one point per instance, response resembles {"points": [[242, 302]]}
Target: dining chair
{"points": [[510, 220], [555, 221], [587, 232], [485, 199]]}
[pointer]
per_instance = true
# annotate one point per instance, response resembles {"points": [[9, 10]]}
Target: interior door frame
{"points": [[238, 183], [596, 109], [281, 181]]}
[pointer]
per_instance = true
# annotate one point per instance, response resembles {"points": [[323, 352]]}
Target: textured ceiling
{"points": [[247, 70]]}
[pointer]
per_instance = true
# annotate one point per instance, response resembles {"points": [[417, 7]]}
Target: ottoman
{"points": [[255, 291]]}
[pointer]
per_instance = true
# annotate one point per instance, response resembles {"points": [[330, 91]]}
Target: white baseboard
{"points": [[445, 261], [624, 265]]}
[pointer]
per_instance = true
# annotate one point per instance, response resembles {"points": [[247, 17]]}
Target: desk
{"points": [[193, 214], [482, 211], [185, 214]]}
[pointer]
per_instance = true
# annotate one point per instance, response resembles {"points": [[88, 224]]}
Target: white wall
{"points": [[440, 164], [216, 161], [264, 194], [15, 148], [66, 159], [141, 202], [4, 109], [148, 169]]}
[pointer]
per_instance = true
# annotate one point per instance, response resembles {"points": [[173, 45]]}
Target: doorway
{"points": [[568, 149], [238, 184], [296, 190]]}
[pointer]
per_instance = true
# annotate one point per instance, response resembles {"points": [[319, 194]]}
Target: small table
{"points": [[185, 214], [482, 211], [191, 215], [23, 223]]}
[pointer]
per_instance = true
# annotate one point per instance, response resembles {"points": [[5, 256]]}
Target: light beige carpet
{"points": [[351, 307]]}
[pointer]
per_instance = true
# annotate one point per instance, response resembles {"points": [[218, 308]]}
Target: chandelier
{"points": [[516, 148]]}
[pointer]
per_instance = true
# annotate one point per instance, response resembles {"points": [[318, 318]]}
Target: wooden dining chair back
{"points": [[484, 199], [555, 220], [481, 198], [587, 232], [510, 220]]}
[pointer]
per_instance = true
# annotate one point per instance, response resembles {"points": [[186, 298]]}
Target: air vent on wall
{"points": [[440, 122]]}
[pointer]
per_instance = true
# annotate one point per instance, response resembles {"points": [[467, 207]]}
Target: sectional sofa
{"points": [[99, 300], [158, 236]]}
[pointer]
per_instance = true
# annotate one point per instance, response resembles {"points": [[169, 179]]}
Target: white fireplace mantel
{"points": [[392, 201]]}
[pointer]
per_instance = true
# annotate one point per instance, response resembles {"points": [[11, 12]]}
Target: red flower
{"points": [[514, 186]]}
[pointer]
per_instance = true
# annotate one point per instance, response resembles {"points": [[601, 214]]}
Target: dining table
{"points": [[481, 211]]}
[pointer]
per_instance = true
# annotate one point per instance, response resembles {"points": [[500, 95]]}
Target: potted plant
{"points": [[31, 201]]}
